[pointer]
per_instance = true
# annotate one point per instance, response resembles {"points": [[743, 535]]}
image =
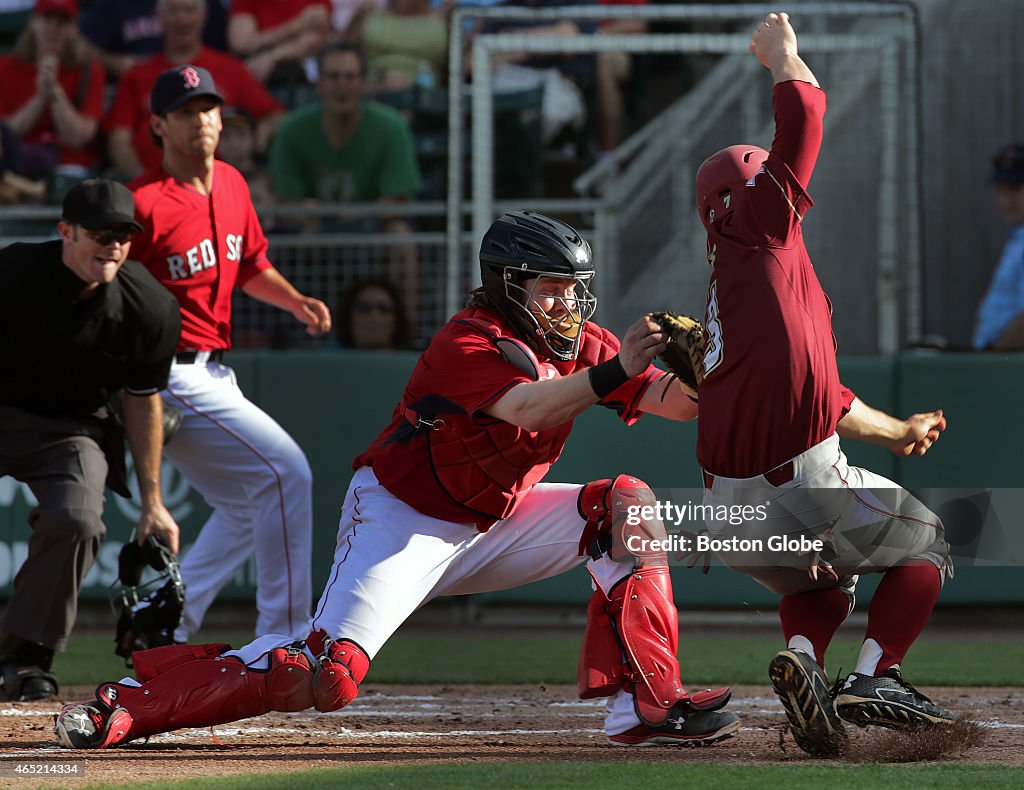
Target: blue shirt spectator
{"points": [[126, 32], [1000, 322]]}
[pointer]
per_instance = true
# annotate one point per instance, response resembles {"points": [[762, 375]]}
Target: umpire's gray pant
{"points": [[63, 465]]}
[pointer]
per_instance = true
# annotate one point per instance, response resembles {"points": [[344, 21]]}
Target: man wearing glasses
{"points": [[78, 322]]}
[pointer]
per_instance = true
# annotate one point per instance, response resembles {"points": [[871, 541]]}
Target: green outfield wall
{"points": [[335, 402]]}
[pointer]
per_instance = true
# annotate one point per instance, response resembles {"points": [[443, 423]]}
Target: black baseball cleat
{"points": [[803, 690], [701, 728], [888, 701], [26, 683]]}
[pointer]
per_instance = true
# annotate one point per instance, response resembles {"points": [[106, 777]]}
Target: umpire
{"points": [[78, 322]]}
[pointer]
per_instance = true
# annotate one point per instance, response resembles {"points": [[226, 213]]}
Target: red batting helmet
{"points": [[718, 172]]}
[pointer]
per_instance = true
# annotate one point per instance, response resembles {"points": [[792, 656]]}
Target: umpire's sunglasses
{"points": [[105, 236]]}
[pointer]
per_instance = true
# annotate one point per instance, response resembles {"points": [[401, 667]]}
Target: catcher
{"points": [[772, 410], [450, 500]]}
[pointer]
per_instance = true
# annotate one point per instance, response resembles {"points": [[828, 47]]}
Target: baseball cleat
{"points": [[696, 729], [803, 690], [888, 701], [92, 725]]}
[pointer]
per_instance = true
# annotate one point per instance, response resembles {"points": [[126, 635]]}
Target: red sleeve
{"points": [[799, 111], [122, 110], [468, 369], [600, 345], [254, 256], [778, 198], [847, 396], [243, 7]]}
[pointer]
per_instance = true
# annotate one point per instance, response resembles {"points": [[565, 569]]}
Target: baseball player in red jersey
{"points": [[201, 238], [771, 406], [449, 500]]}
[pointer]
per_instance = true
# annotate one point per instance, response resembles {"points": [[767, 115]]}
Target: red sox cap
{"points": [[68, 8], [174, 87], [100, 203], [1008, 165]]}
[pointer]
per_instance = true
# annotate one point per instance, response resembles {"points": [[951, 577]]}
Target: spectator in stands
{"points": [[237, 147], [52, 95], [564, 77], [131, 146], [345, 14], [405, 41], [276, 37], [1000, 322], [123, 33], [15, 188], [613, 69], [344, 148], [371, 316]]}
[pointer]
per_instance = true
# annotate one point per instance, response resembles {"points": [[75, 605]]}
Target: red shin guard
{"points": [[638, 653], [200, 690]]}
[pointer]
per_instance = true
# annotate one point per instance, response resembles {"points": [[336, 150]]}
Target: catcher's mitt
{"points": [[149, 621], [685, 353]]}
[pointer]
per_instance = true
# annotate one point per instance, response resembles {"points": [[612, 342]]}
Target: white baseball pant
{"points": [[259, 484]]}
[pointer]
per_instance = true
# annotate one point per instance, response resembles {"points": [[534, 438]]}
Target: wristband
{"points": [[607, 377]]}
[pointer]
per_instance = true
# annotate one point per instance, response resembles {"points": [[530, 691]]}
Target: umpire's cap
{"points": [[100, 203], [181, 84], [1008, 165]]}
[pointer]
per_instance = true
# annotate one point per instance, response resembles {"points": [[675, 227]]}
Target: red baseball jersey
{"points": [[771, 388], [199, 247], [442, 455], [83, 86], [271, 13], [130, 108]]}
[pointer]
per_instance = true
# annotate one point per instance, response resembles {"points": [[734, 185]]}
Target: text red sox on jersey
{"points": [[202, 256]]}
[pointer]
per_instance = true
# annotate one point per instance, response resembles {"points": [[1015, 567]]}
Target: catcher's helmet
{"points": [[522, 245], [720, 171]]}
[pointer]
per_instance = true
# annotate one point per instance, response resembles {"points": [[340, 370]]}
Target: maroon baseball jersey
{"points": [[199, 247], [443, 456], [771, 388], [130, 107]]}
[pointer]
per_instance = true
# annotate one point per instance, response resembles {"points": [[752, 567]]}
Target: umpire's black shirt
{"points": [[61, 356]]}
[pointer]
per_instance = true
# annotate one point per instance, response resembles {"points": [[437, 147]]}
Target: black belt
{"points": [[778, 476], [189, 357]]}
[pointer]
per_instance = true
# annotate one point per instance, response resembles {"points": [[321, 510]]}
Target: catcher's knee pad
{"points": [[631, 642], [289, 680], [340, 668], [622, 521]]}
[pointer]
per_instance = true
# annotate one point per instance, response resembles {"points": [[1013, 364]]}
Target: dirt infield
{"points": [[452, 724]]}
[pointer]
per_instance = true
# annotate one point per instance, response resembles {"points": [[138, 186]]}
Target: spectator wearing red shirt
{"points": [[130, 143], [53, 93], [273, 33]]}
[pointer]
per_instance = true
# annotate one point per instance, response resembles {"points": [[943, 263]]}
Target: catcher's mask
{"points": [[147, 621], [720, 174], [526, 261]]}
